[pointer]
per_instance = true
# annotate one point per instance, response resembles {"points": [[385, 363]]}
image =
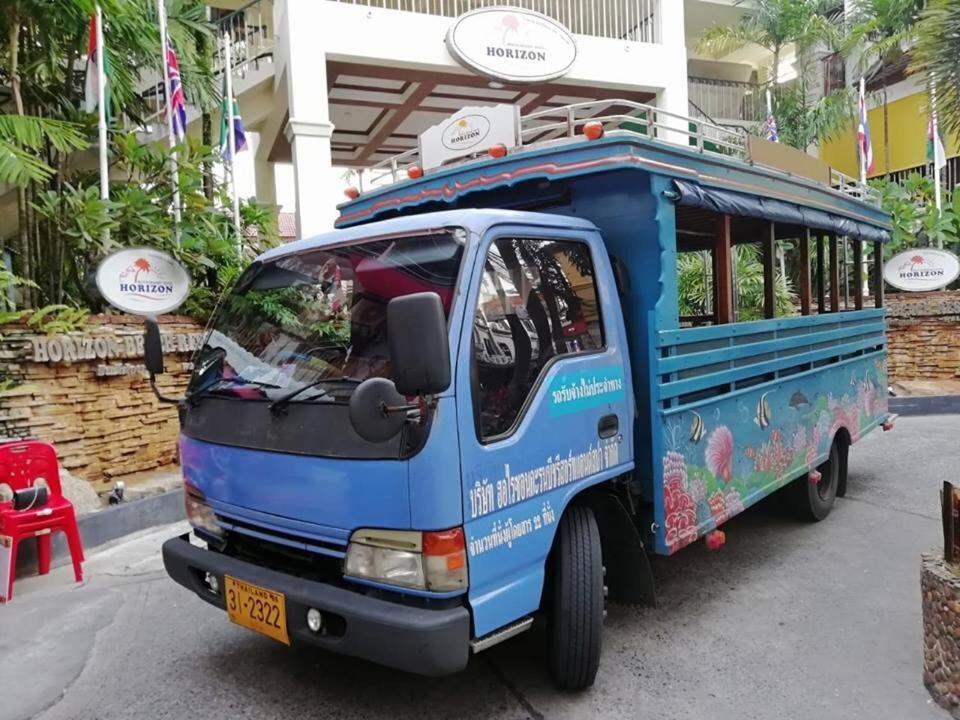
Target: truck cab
{"points": [[478, 400]]}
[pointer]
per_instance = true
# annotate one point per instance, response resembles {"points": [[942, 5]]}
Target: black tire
{"points": [[813, 502], [576, 607]]}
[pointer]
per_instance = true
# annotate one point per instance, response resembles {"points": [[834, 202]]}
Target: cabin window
{"points": [[538, 301]]}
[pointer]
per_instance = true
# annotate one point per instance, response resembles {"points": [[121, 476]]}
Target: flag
{"points": [[770, 127], [239, 138], [863, 136], [772, 134], [935, 150], [176, 105], [90, 89]]}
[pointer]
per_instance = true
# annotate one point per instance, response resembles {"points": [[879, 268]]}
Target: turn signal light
{"points": [[414, 172], [352, 193], [498, 151], [814, 477], [593, 130]]}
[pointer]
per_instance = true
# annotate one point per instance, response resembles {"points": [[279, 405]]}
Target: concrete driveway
{"points": [[786, 621]]}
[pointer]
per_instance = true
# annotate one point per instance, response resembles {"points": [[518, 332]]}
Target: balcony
{"points": [[632, 20], [728, 100]]}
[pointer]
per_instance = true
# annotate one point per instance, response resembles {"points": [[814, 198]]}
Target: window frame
{"points": [[525, 233]]}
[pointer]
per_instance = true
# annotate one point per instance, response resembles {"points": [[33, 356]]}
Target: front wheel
{"points": [[576, 607], [814, 501]]}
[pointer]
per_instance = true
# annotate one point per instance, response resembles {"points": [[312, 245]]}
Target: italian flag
{"points": [[91, 89]]}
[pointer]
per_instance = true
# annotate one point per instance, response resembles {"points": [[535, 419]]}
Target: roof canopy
{"points": [[728, 202]]}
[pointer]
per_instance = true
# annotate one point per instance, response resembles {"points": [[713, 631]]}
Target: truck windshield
{"points": [[319, 318]]}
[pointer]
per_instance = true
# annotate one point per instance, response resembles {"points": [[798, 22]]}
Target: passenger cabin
{"points": [[742, 271]]}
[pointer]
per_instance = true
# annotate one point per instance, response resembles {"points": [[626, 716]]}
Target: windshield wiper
{"points": [[228, 382], [282, 401]]}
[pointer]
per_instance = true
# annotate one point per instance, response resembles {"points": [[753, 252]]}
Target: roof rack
{"points": [[562, 124]]}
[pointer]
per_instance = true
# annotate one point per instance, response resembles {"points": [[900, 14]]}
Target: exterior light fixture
{"points": [[593, 130], [352, 193], [414, 172], [498, 151]]}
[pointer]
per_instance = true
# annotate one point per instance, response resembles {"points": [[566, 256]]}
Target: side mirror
{"points": [[419, 350], [153, 357], [152, 347], [377, 411]]}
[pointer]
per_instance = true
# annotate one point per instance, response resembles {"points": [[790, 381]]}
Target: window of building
{"points": [[538, 301], [834, 73]]}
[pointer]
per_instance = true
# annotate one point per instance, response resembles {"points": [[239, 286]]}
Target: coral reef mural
{"points": [[726, 454]]}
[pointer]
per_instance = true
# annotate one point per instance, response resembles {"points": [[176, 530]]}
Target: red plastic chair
{"points": [[21, 465]]}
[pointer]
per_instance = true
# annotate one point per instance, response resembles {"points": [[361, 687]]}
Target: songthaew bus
{"points": [[509, 377]]}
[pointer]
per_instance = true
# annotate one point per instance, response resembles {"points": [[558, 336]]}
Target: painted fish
{"points": [[696, 429], [798, 400], [762, 417]]}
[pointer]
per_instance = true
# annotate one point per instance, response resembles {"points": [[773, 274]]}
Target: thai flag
{"points": [[177, 105], [863, 136]]}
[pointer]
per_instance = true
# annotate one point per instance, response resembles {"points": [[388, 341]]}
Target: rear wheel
{"points": [[576, 606], [814, 501]]}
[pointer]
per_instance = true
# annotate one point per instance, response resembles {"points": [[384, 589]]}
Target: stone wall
{"points": [[923, 338], [87, 392], [940, 590]]}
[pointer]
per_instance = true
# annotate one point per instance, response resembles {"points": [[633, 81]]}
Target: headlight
{"points": [[427, 561], [198, 512]]}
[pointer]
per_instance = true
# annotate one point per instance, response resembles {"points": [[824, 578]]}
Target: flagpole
{"points": [[936, 148], [863, 111], [174, 166], [102, 108], [231, 134]]}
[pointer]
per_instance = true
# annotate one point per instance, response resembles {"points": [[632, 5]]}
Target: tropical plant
{"points": [[696, 296], [914, 216], [937, 53], [878, 31], [773, 25]]}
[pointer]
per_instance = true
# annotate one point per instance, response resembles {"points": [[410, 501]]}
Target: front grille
{"points": [[286, 552]]}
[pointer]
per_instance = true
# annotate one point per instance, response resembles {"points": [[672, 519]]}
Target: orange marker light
{"points": [[414, 172], [593, 130], [498, 151], [352, 193], [444, 542], [715, 539]]}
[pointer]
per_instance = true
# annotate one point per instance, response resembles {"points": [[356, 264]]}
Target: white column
{"points": [[674, 96], [309, 128], [312, 176]]}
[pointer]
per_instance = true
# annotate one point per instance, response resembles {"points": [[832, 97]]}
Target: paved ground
{"points": [[787, 621]]}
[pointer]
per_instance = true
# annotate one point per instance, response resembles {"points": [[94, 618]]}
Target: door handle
{"points": [[608, 426]]}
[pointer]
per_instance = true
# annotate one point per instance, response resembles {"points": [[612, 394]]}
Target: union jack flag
{"points": [[177, 106]]}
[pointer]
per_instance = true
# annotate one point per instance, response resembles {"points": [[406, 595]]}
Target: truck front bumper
{"points": [[414, 639]]}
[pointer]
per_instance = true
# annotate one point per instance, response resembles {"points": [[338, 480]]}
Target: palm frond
{"points": [[719, 40], [20, 167], [29, 132]]}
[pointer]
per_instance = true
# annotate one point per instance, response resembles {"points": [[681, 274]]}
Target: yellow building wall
{"points": [[908, 139]]}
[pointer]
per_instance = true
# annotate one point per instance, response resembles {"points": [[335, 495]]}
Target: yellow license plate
{"points": [[256, 608]]}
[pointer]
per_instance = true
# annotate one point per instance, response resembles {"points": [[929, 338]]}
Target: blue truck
{"points": [[497, 387]]}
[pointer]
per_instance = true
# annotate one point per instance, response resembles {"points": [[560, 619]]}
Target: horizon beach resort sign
{"points": [[920, 269], [143, 281], [468, 131], [512, 44]]}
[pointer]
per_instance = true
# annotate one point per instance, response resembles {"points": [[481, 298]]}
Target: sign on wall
{"points": [[143, 281], [512, 44], [922, 269], [468, 131]]}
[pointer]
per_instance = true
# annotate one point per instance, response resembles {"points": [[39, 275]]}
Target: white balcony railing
{"points": [[727, 99], [633, 20]]}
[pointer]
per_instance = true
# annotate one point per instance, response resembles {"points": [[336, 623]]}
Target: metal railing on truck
{"points": [[543, 128]]}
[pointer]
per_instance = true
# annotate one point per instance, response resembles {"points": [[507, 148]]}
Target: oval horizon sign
{"points": [[920, 269], [512, 44], [143, 281]]}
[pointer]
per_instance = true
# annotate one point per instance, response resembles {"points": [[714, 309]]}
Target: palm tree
{"points": [[938, 53], [878, 31], [773, 25]]}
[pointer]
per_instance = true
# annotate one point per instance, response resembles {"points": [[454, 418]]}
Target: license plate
{"points": [[256, 608]]}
